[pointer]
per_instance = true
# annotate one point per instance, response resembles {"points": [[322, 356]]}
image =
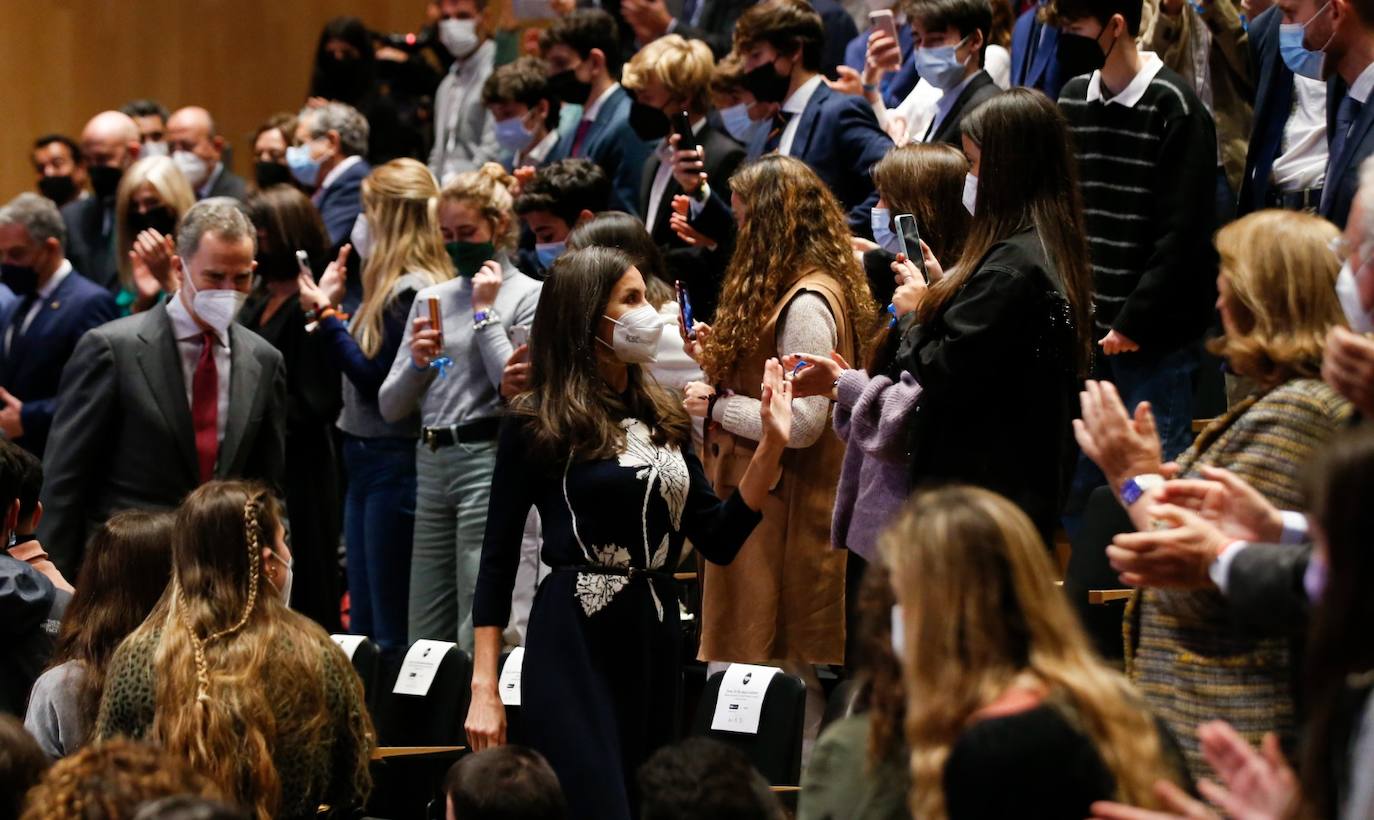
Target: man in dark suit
{"points": [[583, 55], [1344, 31], [711, 21], [155, 404], [1287, 155], [110, 144], [1034, 47], [667, 77], [964, 25], [328, 159], [198, 150], [38, 333]]}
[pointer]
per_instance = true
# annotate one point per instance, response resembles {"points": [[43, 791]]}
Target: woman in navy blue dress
{"points": [[604, 454]]}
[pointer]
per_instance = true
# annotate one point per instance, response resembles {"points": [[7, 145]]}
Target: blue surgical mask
{"points": [[512, 134], [305, 168], [882, 230], [1296, 56], [548, 252], [940, 66], [737, 122]]}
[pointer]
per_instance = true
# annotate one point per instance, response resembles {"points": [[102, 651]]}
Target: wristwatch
{"points": [[482, 318], [1135, 487]]}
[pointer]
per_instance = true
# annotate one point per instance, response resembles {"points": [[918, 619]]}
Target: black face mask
{"points": [[565, 86], [105, 180], [59, 189], [1078, 55], [277, 266], [267, 174], [648, 123], [160, 219], [766, 84], [22, 279]]}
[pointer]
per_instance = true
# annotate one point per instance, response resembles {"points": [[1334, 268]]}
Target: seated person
{"points": [[524, 111], [113, 779], [700, 777], [25, 545], [503, 783], [560, 197], [22, 764]]}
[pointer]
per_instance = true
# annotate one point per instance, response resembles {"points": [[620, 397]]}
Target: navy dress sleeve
{"points": [[342, 350], [512, 494], [716, 528]]}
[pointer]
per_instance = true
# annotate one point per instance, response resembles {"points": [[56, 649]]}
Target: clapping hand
{"points": [[1122, 446], [775, 406], [1348, 367], [1223, 498], [150, 261], [1176, 553], [819, 375]]}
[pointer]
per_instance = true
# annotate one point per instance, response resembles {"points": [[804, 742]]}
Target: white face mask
{"points": [[1348, 293], [970, 192], [636, 335], [154, 149], [361, 237], [285, 588], [459, 37], [898, 631], [216, 308], [192, 167]]}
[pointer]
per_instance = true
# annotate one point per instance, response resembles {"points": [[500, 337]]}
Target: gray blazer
{"points": [[122, 435]]}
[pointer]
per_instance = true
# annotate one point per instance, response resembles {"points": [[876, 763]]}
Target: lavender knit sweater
{"points": [[871, 418]]}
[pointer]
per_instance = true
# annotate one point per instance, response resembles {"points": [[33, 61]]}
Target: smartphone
{"points": [[520, 335], [303, 262], [682, 126], [684, 306], [909, 236], [436, 318], [883, 21]]}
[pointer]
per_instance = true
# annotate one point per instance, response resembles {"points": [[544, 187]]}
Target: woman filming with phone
{"points": [[605, 455], [449, 366], [1002, 340]]}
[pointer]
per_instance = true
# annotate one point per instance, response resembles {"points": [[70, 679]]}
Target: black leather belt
{"points": [[482, 430], [1307, 200]]}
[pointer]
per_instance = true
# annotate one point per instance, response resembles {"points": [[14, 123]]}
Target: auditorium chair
{"points": [[776, 749], [1093, 587], [433, 719], [366, 659]]}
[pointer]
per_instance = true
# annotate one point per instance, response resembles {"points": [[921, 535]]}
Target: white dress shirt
{"points": [[535, 155], [44, 293], [1301, 163], [337, 170], [794, 105], [190, 336]]}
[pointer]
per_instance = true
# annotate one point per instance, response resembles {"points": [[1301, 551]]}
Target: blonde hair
{"points": [[1282, 275], [401, 200], [220, 704], [172, 188], [981, 611], [488, 191], [683, 67]]}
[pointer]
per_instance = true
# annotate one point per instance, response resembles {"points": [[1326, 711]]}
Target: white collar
{"points": [[63, 270], [344, 165], [796, 103], [594, 108], [184, 325], [1150, 65], [542, 148], [1363, 85]]}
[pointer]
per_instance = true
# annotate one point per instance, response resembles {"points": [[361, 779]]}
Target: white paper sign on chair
{"points": [[510, 677], [420, 667], [349, 643], [740, 702]]}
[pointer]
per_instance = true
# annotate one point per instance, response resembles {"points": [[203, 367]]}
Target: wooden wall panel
{"points": [[62, 61]]}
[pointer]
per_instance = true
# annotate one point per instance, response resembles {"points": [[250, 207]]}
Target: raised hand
{"points": [[1122, 446], [817, 378], [775, 406], [682, 227], [1224, 499], [334, 282], [485, 285]]}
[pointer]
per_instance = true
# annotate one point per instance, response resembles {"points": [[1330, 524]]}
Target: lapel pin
{"points": [[56, 304]]}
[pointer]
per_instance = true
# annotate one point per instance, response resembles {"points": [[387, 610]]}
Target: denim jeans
{"points": [[453, 487], [379, 518]]}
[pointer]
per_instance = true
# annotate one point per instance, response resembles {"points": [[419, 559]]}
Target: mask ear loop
{"points": [[250, 526]]}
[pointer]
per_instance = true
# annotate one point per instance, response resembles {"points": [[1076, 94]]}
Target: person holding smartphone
{"points": [[1001, 341], [452, 374]]}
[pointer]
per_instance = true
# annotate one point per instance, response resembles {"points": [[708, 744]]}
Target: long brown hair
{"points": [[981, 611], [125, 573], [111, 779], [1282, 278], [287, 222], [221, 705], [571, 410], [793, 225], [1041, 194], [401, 202]]}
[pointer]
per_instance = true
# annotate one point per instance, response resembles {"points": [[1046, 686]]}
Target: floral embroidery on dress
{"points": [[595, 590]]}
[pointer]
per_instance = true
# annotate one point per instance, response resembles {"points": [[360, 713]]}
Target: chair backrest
{"points": [[1103, 518], [365, 655], [843, 701], [434, 718], [775, 750]]}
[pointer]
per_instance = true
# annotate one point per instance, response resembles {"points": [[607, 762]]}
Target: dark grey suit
{"points": [[122, 436], [1264, 587], [229, 184]]}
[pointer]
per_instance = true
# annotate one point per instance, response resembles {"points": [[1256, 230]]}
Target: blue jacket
{"points": [[1343, 170], [1033, 55], [895, 85], [612, 144], [339, 206], [31, 363]]}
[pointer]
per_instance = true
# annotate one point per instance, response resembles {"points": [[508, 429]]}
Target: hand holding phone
{"points": [[884, 21], [909, 236], [684, 305], [682, 126], [519, 336]]}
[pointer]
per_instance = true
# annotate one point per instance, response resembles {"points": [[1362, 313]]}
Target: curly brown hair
{"points": [[792, 225], [109, 780]]}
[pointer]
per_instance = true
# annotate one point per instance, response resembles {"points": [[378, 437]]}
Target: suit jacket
{"points": [[1264, 587], [979, 88], [839, 137], [1343, 172], [125, 428], [31, 364], [229, 184], [613, 144], [700, 271], [715, 25], [339, 206], [1033, 59], [90, 241]]}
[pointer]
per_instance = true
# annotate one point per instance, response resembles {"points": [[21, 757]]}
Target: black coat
{"points": [[999, 373]]}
